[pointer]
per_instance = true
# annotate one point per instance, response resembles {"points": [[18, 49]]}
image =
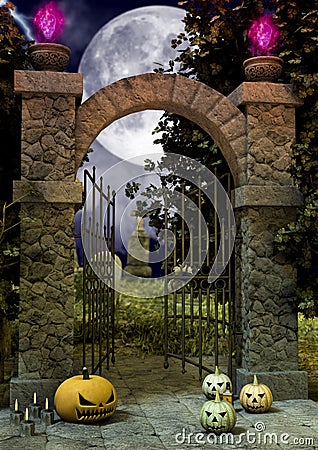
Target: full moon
{"points": [[133, 43]]}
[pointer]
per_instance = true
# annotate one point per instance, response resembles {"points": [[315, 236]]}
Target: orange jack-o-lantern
{"points": [[256, 397], [85, 398]]}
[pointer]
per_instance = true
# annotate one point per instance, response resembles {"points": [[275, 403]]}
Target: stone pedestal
{"points": [[48, 194], [138, 252]]}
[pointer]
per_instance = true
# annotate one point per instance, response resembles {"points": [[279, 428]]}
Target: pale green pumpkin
{"points": [[215, 382], [217, 416]]}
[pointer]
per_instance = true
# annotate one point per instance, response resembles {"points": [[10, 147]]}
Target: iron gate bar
{"points": [[183, 331], [200, 334], [99, 297], [166, 305], [200, 304]]}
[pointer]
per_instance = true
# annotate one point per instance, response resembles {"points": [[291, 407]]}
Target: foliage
{"points": [[212, 50], [140, 325], [13, 44], [308, 350], [13, 55], [299, 240], [178, 190], [9, 252]]}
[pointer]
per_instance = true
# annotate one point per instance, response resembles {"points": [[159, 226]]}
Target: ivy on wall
{"points": [[298, 22]]}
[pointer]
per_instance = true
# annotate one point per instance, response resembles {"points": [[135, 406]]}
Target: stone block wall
{"points": [[48, 194], [46, 291], [265, 281], [271, 132], [266, 290], [48, 146]]}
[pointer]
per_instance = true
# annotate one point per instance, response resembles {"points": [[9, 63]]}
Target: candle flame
{"points": [[16, 405], [34, 398], [26, 414], [46, 404]]}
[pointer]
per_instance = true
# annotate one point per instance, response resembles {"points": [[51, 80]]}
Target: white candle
{"points": [[46, 404], [27, 426], [34, 398], [16, 417]]}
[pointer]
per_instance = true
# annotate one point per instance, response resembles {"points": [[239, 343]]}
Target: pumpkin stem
{"points": [[255, 380], [85, 374], [217, 397], [217, 372]]}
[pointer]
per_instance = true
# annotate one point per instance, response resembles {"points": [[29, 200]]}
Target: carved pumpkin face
{"points": [[85, 399], [215, 382], [255, 397], [217, 416]]}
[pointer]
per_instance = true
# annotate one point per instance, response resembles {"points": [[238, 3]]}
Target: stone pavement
{"points": [[159, 409]]}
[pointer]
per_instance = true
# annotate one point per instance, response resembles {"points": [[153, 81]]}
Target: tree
{"points": [[13, 55], [217, 45]]}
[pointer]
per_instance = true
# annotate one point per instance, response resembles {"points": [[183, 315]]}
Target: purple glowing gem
{"points": [[48, 22], [263, 35]]}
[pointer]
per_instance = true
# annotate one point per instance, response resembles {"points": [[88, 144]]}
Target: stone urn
{"points": [[263, 68], [49, 56]]}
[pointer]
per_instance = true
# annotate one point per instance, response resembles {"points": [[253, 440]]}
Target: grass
{"points": [[140, 328], [308, 352], [140, 325]]}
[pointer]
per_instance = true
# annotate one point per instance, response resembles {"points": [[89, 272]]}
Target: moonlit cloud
{"points": [[81, 23]]}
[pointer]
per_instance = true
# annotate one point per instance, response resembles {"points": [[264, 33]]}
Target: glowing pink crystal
{"points": [[264, 35], [48, 23]]}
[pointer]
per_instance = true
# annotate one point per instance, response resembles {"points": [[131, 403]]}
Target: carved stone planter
{"points": [[49, 56], [263, 68]]}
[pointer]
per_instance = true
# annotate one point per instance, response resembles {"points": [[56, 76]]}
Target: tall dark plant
{"points": [[13, 55], [212, 50], [298, 21]]}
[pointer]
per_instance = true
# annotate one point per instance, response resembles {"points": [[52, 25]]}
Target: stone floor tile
{"points": [[56, 443], [21, 443]]}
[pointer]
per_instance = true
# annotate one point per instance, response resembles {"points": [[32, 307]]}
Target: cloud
{"points": [[82, 21]]}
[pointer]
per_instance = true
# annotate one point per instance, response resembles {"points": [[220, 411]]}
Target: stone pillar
{"points": [[265, 281], [48, 193]]}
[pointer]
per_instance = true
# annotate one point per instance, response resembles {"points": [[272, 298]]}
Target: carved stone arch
{"points": [[209, 109]]}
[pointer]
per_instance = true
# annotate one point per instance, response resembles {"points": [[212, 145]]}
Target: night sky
{"points": [[84, 19]]}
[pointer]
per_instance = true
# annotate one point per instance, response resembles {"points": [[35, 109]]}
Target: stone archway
{"points": [[56, 134], [209, 109]]}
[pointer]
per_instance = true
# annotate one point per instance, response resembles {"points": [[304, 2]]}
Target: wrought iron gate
{"points": [[197, 312], [202, 312], [98, 239]]}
